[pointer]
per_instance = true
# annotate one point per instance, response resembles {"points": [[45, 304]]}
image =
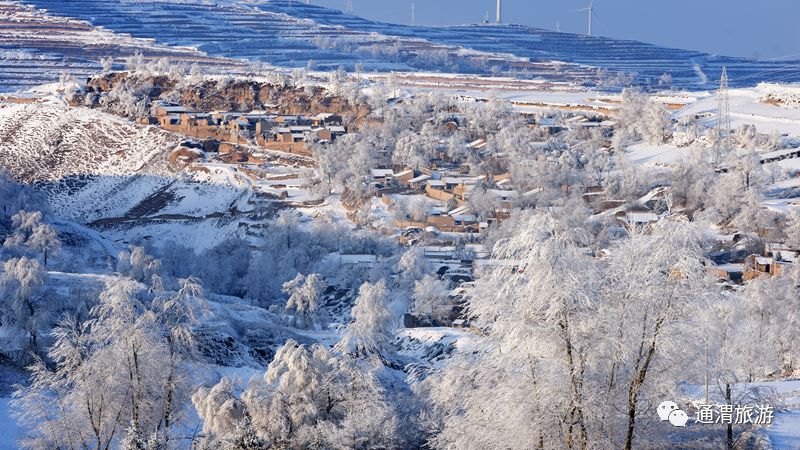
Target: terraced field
{"points": [[38, 48], [291, 33], [72, 36]]}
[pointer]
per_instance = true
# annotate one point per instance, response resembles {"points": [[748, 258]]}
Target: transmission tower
{"points": [[349, 8], [723, 113], [413, 15]]}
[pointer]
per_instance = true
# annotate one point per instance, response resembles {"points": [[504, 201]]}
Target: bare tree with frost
{"points": [[308, 398], [31, 233], [568, 337], [304, 293], [138, 265], [371, 333], [24, 311], [121, 376]]}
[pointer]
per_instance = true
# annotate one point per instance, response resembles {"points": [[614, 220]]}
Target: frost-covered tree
{"points": [[793, 229], [16, 197], [138, 265], [304, 296], [232, 260], [412, 266], [122, 374], [24, 311], [221, 411], [536, 312], [575, 347], [31, 233], [372, 330], [431, 298], [410, 151], [308, 398], [655, 283], [748, 336], [641, 118], [176, 315]]}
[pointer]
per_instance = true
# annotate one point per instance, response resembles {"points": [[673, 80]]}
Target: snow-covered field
{"points": [[748, 106]]}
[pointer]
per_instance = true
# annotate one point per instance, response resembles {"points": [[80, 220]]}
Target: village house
{"points": [[637, 216], [326, 120], [777, 260], [282, 132], [382, 176]]}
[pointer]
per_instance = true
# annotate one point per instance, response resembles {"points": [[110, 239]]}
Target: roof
{"points": [[419, 179], [337, 129], [174, 108], [642, 217], [460, 210], [405, 172], [435, 183], [382, 172], [479, 143]]}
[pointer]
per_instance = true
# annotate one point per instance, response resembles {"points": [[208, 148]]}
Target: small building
{"points": [[326, 120], [165, 109], [637, 216], [404, 176], [418, 182], [382, 176]]}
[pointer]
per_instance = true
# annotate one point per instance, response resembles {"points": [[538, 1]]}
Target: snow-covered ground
{"points": [[748, 106], [9, 430], [655, 155]]}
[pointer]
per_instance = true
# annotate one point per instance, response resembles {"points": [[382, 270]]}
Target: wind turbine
{"points": [[589, 8]]}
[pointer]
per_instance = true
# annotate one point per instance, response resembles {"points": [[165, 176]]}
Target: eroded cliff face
{"points": [[111, 91]]}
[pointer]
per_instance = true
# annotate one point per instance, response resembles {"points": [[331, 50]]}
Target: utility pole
{"points": [[413, 15], [723, 115]]}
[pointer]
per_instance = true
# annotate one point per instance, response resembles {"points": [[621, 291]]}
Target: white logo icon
{"points": [[665, 408], [670, 411], [678, 418]]}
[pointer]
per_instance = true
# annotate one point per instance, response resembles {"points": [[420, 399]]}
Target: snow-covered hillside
{"points": [[293, 34], [78, 155], [38, 48]]}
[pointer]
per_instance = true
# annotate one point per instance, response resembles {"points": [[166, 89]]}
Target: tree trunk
{"points": [[729, 430], [637, 382], [576, 414]]}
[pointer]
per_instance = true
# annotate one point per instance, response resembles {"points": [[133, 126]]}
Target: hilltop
{"points": [[228, 35]]}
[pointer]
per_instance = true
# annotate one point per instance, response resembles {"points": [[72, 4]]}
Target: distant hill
{"points": [[293, 34]]}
